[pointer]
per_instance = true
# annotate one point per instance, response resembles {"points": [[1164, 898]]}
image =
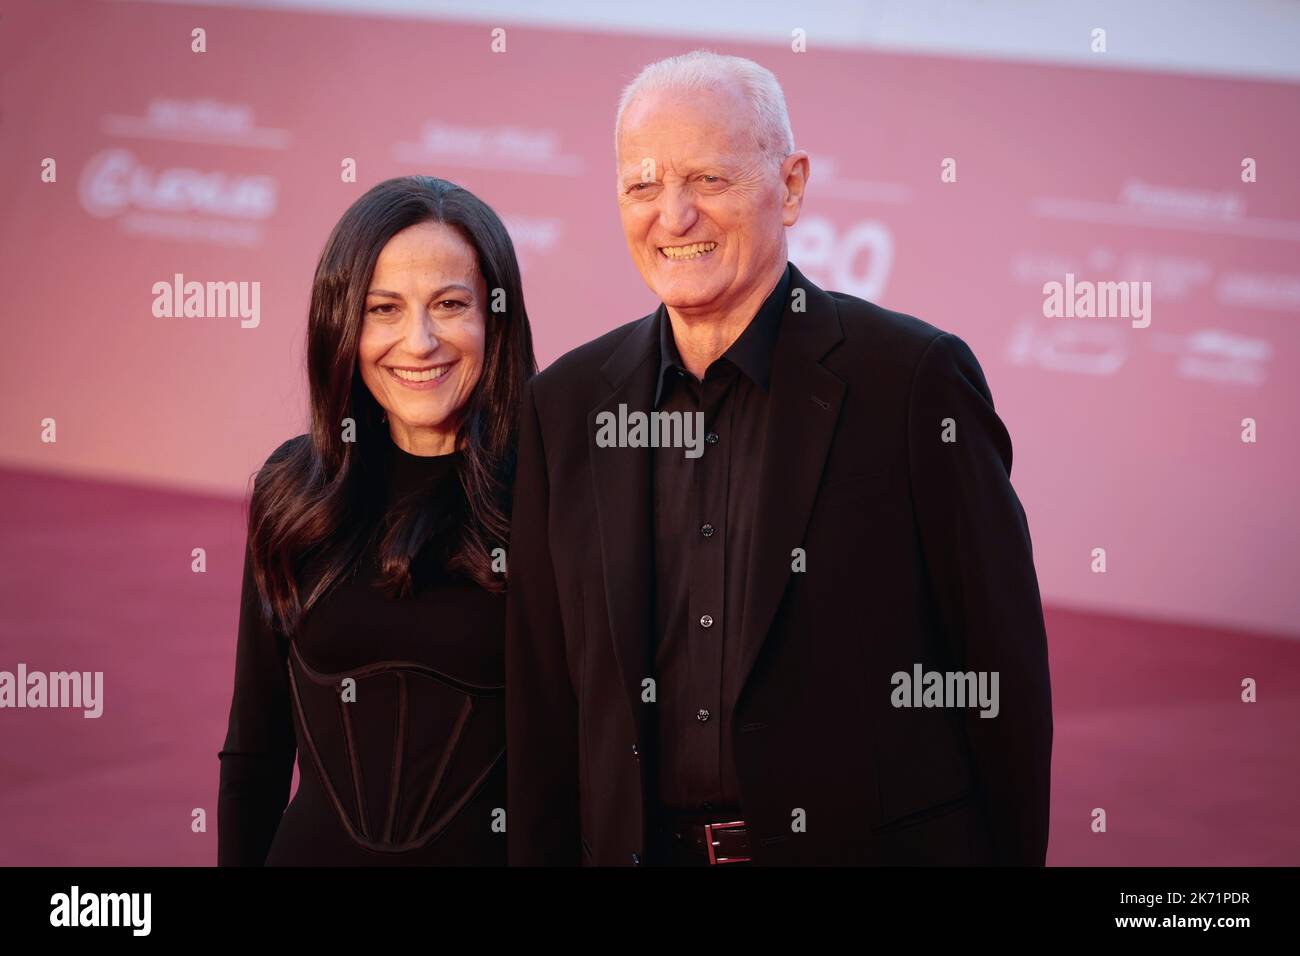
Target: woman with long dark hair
{"points": [[371, 629]]}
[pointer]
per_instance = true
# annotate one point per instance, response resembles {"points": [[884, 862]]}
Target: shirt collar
{"points": [[751, 352]]}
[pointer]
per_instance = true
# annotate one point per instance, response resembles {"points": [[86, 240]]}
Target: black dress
{"points": [[403, 766]]}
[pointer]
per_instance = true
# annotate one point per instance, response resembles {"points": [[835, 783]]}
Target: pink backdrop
{"points": [[225, 166]]}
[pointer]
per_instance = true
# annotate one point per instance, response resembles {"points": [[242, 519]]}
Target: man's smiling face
{"points": [[702, 207]]}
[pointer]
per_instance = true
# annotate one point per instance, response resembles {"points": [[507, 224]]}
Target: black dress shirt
{"points": [[705, 513]]}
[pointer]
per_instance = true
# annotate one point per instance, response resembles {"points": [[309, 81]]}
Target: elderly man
{"points": [[767, 652]]}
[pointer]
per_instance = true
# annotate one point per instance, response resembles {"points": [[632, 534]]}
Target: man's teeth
{"points": [[693, 251], [427, 375]]}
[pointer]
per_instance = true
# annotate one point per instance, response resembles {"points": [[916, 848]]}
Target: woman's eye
{"points": [[445, 305]]}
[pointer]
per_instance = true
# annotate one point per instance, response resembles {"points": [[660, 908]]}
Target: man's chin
{"points": [[680, 295]]}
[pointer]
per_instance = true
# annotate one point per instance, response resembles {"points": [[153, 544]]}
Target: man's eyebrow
{"points": [[711, 165]]}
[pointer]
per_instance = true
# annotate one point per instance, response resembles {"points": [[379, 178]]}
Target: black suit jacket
{"points": [[917, 552]]}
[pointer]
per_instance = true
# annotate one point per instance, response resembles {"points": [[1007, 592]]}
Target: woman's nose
{"points": [[421, 335]]}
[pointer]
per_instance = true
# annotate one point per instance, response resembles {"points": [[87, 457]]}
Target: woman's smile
{"points": [[421, 379]]}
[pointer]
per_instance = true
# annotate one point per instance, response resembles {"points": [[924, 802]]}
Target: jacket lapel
{"points": [[803, 408], [622, 480]]}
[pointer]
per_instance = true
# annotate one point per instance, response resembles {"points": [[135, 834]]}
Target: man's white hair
{"points": [[706, 70]]}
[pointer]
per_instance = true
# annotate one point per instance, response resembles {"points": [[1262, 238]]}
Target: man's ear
{"points": [[794, 182]]}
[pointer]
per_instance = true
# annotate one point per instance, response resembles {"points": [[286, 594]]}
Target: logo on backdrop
{"points": [[156, 198], [508, 148]]}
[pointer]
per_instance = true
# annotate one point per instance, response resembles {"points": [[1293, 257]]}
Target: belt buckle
{"points": [[712, 844]]}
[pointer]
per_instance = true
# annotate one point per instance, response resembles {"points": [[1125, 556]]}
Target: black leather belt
{"points": [[721, 842]]}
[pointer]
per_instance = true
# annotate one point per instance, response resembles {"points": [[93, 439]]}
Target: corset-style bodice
{"points": [[398, 708], [399, 751]]}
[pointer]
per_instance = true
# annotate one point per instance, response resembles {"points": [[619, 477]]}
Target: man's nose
{"points": [[677, 212]]}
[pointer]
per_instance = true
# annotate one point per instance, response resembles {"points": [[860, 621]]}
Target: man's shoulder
{"points": [[872, 326], [582, 365], [891, 349]]}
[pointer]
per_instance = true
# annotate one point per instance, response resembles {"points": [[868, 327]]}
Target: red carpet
{"points": [[1149, 723]]}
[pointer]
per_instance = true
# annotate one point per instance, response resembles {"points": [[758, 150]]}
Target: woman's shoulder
{"points": [[282, 452], [287, 448]]}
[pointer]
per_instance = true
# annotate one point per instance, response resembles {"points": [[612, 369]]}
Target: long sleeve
{"points": [[258, 754], [976, 543], [543, 825]]}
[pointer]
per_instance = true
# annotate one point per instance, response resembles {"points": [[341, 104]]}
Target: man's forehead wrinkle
{"points": [[654, 130], [679, 158]]}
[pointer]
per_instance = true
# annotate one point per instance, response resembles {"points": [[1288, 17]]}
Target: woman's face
{"points": [[423, 335]]}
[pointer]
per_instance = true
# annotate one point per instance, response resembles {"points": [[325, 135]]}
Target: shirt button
{"points": [[711, 438], [706, 530], [702, 715], [635, 751], [706, 621]]}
